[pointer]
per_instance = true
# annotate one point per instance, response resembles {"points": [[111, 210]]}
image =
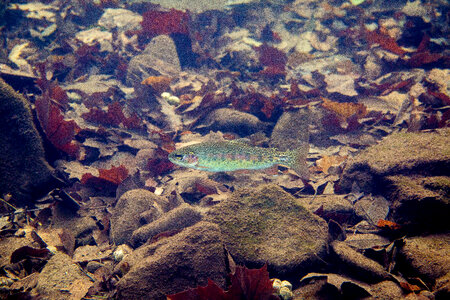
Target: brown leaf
{"points": [[27, 251], [345, 110]]}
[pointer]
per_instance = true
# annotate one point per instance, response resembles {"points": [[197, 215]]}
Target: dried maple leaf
{"points": [[249, 284]]}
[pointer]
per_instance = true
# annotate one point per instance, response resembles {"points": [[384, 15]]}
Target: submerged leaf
{"points": [[249, 284], [107, 178]]}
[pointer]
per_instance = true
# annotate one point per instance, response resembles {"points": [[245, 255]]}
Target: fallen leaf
{"points": [[410, 288], [250, 284], [165, 22], [385, 224], [107, 179], [27, 251], [158, 83], [384, 40], [328, 161]]}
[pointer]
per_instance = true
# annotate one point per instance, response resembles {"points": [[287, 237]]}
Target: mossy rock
{"points": [[24, 172], [421, 203], [268, 225], [405, 153], [426, 257]]}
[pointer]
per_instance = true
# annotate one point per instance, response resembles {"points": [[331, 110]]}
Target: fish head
{"points": [[184, 158]]}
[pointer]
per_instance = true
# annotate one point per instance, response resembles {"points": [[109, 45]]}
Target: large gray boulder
{"points": [[24, 172], [411, 171], [268, 225], [174, 264]]}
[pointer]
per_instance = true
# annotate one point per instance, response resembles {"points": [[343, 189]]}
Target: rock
{"points": [[426, 257], [386, 290], [399, 153], [24, 172], [354, 262], [178, 218], [291, 130], [93, 266], [345, 287], [89, 253], [267, 225], [59, 276], [174, 264], [160, 57], [334, 207], [81, 228], [126, 215], [421, 203], [410, 169], [121, 19], [365, 241], [230, 120]]}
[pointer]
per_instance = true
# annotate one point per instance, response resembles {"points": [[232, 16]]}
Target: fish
{"points": [[224, 156]]}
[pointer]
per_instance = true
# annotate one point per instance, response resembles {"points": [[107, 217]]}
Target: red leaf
{"points": [[249, 284], [165, 22], [270, 56], [385, 224], [422, 58], [58, 131], [114, 116], [159, 163], [107, 179], [441, 96], [385, 41], [209, 292]]}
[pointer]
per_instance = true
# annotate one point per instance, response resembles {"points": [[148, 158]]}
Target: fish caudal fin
{"points": [[297, 160]]}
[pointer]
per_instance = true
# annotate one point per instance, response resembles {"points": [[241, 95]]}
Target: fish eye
{"points": [[178, 156]]}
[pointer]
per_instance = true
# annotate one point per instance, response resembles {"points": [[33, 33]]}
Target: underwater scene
{"points": [[225, 149]]}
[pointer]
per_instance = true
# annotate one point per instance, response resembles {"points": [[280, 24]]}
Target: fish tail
{"points": [[297, 160]]}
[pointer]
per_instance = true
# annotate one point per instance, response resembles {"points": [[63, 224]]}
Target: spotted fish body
{"points": [[231, 156]]}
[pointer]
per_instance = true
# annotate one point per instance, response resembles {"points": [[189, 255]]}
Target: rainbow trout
{"points": [[234, 155]]}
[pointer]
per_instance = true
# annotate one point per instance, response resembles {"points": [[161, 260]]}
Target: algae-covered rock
{"points": [[174, 264], [230, 120], [411, 171], [126, 217], [353, 262], [426, 153], [62, 279], [267, 225], [24, 173], [426, 257], [178, 218], [420, 202]]}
